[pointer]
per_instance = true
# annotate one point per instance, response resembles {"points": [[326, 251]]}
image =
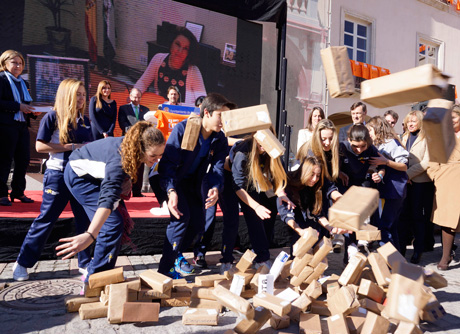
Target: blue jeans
{"points": [[388, 222]]}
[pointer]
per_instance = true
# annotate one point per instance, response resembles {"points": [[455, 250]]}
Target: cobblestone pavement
{"points": [[36, 306]]}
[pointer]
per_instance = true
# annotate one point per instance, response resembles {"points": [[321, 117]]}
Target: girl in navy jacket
{"points": [[393, 188], [103, 111], [61, 131], [305, 190], [97, 175], [257, 180]]}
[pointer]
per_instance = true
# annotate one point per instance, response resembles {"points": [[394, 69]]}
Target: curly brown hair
{"points": [[140, 137]]}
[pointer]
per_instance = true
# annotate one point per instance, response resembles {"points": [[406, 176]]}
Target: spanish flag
{"points": [[91, 29]]}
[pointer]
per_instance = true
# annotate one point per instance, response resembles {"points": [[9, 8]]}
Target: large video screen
{"points": [[151, 45]]}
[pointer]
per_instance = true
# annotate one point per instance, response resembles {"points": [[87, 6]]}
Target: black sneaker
{"points": [[200, 262]]}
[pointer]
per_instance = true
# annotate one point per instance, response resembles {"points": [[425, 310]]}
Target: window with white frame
{"points": [[357, 38], [428, 52]]}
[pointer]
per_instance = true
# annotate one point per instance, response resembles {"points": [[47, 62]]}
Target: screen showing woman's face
{"points": [[179, 52]]}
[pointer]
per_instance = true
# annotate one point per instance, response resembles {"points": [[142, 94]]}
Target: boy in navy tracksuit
{"points": [[182, 173], [355, 163]]}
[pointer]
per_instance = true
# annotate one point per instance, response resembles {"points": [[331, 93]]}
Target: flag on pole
{"points": [[109, 32], [91, 29]]}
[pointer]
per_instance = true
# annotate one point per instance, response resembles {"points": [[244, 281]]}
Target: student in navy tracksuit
{"points": [[181, 176], [258, 180], [393, 188], [61, 131], [228, 202], [355, 165], [97, 175], [103, 111], [305, 191]]}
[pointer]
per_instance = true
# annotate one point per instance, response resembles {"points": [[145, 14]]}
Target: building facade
{"points": [[396, 35]]}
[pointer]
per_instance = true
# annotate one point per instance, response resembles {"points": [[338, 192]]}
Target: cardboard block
{"points": [[390, 254], [278, 322], [156, 280], [270, 143], [140, 312], [405, 297], [434, 279], [414, 85], [208, 280], [118, 296], [299, 263], [298, 306], [375, 324], [371, 305], [314, 290], [205, 303], [234, 302], [337, 324], [275, 304], [340, 80], [320, 307], [92, 311], [353, 269], [343, 301], [106, 277], [353, 208], [305, 243], [309, 324], [379, 268], [324, 247], [194, 316], [371, 290], [246, 120], [407, 328], [73, 303], [191, 133], [245, 326]]}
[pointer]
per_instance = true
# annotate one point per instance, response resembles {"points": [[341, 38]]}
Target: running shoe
{"points": [[182, 266]]}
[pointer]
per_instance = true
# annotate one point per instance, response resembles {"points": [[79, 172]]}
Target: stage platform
{"points": [[147, 236]]}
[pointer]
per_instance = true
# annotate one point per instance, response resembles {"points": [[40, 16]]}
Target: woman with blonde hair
{"points": [[316, 115], [15, 114], [258, 180], [103, 111], [417, 208], [305, 189], [393, 188], [97, 175], [62, 130], [324, 145]]}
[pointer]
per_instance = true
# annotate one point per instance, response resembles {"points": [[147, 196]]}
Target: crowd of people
{"points": [[96, 172]]}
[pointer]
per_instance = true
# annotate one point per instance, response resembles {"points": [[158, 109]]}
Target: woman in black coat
{"points": [[15, 113]]}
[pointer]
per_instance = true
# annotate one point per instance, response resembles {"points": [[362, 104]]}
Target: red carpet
{"points": [[138, 207]]}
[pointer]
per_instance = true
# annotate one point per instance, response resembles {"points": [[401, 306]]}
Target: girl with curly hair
{"points": [[97, 175]]}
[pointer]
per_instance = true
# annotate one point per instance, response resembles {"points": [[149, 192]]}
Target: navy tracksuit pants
{"points": [[108, 243], [181, 232], [260, 231], [228, 202], [55, 197]]}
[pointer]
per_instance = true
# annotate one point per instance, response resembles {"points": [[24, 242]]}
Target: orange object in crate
{"points": [[384, 71], [365, 71], [356, 68], [374, 71]]}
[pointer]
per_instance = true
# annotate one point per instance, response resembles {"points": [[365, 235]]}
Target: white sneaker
{"points": [[20, 272], [163, 211], [225, 267], [267, 263], [352, 250]]}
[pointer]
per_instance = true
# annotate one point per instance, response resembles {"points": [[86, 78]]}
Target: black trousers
{"points": [[15, 145]]}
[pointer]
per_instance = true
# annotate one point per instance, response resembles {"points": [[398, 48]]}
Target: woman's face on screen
{"points": [[179, 52]]}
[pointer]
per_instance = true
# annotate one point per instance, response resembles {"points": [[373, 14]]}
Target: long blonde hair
{"points": [[272, 169], [99, 92], [66, 108], [316, 147], [300, 177], [140, 137]]}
